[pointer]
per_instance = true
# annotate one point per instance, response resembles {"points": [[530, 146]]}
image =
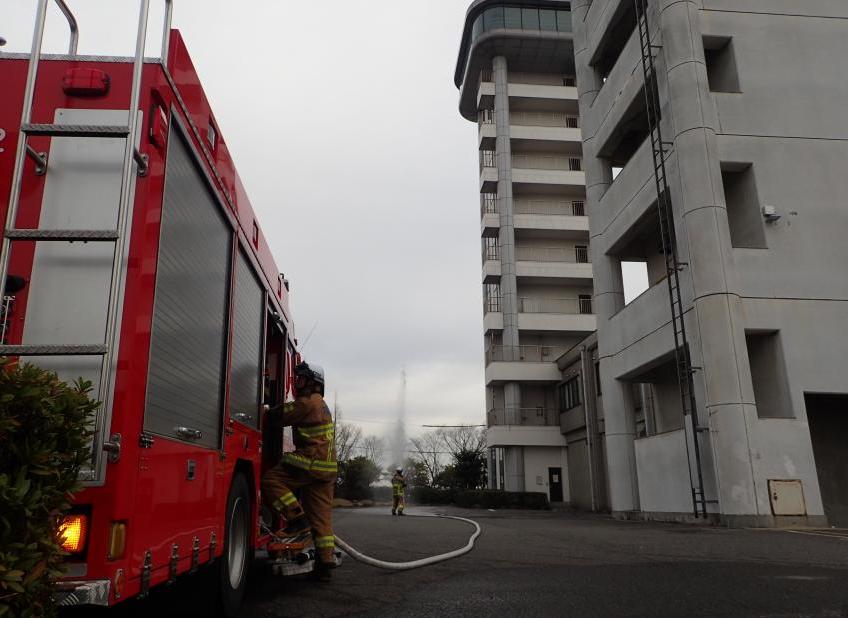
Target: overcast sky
{"points": [[342, 119]]}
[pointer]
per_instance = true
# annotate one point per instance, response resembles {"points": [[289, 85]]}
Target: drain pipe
{"points": [[414, 564]]}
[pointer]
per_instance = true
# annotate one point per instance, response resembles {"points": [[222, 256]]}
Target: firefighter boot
{"points": [[322, 571]]}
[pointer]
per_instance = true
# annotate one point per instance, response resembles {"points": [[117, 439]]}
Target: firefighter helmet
{"points": [[311, 372]]}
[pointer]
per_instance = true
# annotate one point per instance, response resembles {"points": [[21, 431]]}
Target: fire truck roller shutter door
{"points": [[248, 334], [188, 342]]}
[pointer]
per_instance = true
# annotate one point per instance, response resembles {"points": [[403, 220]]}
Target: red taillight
{"points": [[72, 533], [84, 82]]}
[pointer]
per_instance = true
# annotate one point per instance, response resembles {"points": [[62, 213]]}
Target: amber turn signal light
{"points": [[72, 533], [117, 540]]}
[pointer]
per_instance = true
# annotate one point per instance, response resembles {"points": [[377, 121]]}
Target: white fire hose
{"points": [[414, 564]]}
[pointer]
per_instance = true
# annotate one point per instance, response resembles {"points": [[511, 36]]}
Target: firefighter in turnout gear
{"points": [[398, 486], [310, 469]]}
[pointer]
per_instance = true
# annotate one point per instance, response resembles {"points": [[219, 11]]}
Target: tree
{"points": [[428, 447], [374, 448], [347, 440], [416, 473], [356, 477], [469, 470], [463, 439]]}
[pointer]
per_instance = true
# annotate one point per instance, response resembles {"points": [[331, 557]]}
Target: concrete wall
{"points": [[785, 125], [537, 460], [663, 473]]}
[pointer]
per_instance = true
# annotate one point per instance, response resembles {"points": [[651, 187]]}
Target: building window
{"points": [[578, 208], [512, 18], [575, 164], [530, 19], [571, 122], [743, 206], [569, 82], [547, 20], [569, 394], [768, 374], [581, 254], [585, 302], [720, 58]]}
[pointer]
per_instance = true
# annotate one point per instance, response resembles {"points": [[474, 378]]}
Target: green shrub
{"points": [[430, 495], [356, 477], [45, 431], [495, 499]]}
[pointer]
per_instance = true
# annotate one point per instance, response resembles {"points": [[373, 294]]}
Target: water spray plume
{"points": [[398, 440]]}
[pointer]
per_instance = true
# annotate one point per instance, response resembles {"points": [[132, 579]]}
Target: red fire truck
{"points": [[132, 258]]}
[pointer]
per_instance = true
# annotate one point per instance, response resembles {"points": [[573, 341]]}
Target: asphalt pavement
{"points": [[556, 564]]}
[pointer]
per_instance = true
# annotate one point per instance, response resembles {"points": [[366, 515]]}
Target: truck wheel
{"points": [[233, 567]]}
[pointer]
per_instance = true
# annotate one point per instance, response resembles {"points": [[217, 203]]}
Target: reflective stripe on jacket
{"points": [[314, 435], [398, 484]]}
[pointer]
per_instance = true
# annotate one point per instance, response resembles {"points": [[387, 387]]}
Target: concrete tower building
{"points": [[515, 73], [749, 97]]}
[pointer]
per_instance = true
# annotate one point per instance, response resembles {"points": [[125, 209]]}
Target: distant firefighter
{"points": [[398, 487]]}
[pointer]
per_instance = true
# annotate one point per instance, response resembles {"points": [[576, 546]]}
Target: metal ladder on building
{"points": [[107, 349], [682, 355]]}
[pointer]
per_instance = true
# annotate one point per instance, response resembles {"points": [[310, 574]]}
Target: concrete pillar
{"points": [[514, 468], [509, 285], [704, 241], [619, 415]]}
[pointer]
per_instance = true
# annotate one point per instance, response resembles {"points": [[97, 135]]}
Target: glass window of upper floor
{"points": [[521, 18]]}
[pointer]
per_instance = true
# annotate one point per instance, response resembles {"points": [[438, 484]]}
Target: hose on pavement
{"points": [[414, 564]]}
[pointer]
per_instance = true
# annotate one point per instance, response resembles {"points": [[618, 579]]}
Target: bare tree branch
{"points": [[347, 440], [374, 448], [463, 439], [428, 446]]}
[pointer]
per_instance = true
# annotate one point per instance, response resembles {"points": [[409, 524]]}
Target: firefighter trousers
{"points": [[316, 503], [397, 504]]}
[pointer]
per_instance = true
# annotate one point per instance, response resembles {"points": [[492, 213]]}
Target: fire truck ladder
{"points": [[682, 356], [108, 348]]}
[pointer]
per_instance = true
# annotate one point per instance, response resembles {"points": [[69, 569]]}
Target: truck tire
{"points": [[235, 561]]}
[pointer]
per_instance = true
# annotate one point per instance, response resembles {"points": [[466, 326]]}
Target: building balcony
{"points": [[566, 316], [577, 255], [617, 118], [551, 218], [488, 172], [520, 435], [538, 354], [607, 23], [525, 417], [559, 98], [541, 178], [528, 128]]}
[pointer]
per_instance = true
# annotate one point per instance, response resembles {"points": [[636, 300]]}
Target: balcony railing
{"points": [[530, 206], [547, 162], [488, 203], [524, 353], [491, 249], [541, 79], [523, 416], [485, 116], [569, 306], [543, 119], [573, 255], [488, 158], [491, 304]]}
